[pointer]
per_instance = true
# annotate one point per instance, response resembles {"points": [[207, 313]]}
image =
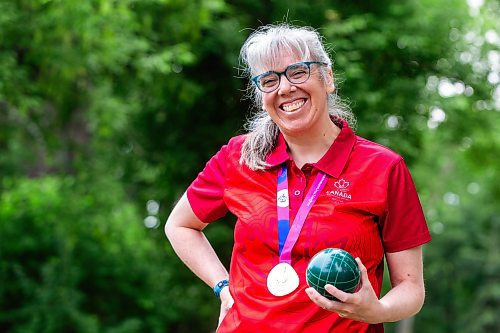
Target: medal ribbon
{"points": [[287, 236]]}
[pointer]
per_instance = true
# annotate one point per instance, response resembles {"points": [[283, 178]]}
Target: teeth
{"points": [[293, 106]]}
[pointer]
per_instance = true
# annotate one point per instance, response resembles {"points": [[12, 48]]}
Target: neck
{"points": [[310, 147]]}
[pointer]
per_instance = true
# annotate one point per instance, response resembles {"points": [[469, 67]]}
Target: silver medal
{"points": [[282, 279]]}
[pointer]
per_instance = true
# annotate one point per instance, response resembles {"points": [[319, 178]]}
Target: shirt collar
{"points": [[334, 160], [279, 154]]}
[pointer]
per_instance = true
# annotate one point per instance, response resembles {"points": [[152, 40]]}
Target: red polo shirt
{"points": [[369, 206]]}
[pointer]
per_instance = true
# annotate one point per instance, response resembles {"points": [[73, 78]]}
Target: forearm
{"points": [[402, 301], [184, 231], [195, 251], [408, 293]]}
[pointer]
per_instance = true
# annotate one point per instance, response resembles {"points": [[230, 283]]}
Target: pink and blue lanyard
{"points": [[287, 236]]}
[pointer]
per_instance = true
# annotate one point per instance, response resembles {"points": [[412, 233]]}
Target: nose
{"points": [[285, 86]]}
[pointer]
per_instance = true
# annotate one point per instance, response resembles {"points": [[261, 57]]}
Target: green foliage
{"points": [[459, 174], [65, 253], [78, 259], [105, 105]]}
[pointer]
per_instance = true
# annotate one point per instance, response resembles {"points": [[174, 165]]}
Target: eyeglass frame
{"points": [[307, 63]]}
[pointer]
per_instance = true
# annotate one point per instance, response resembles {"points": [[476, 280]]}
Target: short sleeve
{"points": [[205, 194], [403, 225]]}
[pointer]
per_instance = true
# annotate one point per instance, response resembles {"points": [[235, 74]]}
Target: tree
{"points": [[107, 105]]}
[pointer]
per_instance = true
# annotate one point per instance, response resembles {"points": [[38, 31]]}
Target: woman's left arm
{"points": [[407, 294], [405, 298]]}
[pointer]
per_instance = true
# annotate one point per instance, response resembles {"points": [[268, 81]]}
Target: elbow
{"points": [[422, 298], [181, 219], [169, 229], [419, 299]]}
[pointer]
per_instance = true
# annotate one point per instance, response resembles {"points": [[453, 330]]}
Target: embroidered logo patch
{"points": [[341, 191]]}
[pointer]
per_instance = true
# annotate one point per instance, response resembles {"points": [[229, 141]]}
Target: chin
{"points": [[294, 130]]}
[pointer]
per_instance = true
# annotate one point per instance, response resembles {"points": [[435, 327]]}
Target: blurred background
{"points": [[109, 109]]}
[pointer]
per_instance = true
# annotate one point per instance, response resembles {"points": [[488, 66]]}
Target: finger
{"points": [[337, 293], [229, 303], [317, 298], [328, 305], [221, 317], [226, 298], [313, 295], [223, 312]]}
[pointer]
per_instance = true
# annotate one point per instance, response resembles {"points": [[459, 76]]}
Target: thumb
{"points": [[364, 280]]}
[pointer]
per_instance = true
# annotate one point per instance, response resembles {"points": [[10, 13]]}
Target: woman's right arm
{"points": [[184, 231]]}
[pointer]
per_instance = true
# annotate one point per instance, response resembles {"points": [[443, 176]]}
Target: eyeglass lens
{"points": [[296, 73]]}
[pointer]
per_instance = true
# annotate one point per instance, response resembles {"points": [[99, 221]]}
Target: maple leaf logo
{"points": [[341, 184]]}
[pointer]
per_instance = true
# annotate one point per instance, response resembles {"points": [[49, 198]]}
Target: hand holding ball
{"points": [[333, 266]]}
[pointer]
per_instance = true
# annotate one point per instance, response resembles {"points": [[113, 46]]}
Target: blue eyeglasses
{"points": [[296, 73]]}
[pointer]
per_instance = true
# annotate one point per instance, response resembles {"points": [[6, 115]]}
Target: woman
{"points": [[300, 154]]}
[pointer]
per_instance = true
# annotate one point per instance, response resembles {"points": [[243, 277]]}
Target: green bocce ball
{"points": [[333, 266]]}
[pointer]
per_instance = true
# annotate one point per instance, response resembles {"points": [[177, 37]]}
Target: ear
{"points": [[329, 82]]}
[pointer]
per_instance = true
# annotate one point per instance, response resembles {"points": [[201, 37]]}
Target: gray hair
{"points": [[262, 50]]}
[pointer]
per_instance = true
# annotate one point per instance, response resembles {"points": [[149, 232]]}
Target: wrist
{"points": [[219, 286]]}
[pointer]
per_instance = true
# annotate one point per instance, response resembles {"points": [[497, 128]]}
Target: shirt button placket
{"points": [[296, 192]]}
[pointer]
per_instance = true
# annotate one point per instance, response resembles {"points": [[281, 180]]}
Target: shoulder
{"points": [[237, 141], [373, 151], [232, 148], [229, 154]]}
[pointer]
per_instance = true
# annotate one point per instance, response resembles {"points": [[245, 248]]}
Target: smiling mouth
{"points": [[295, 105]]}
